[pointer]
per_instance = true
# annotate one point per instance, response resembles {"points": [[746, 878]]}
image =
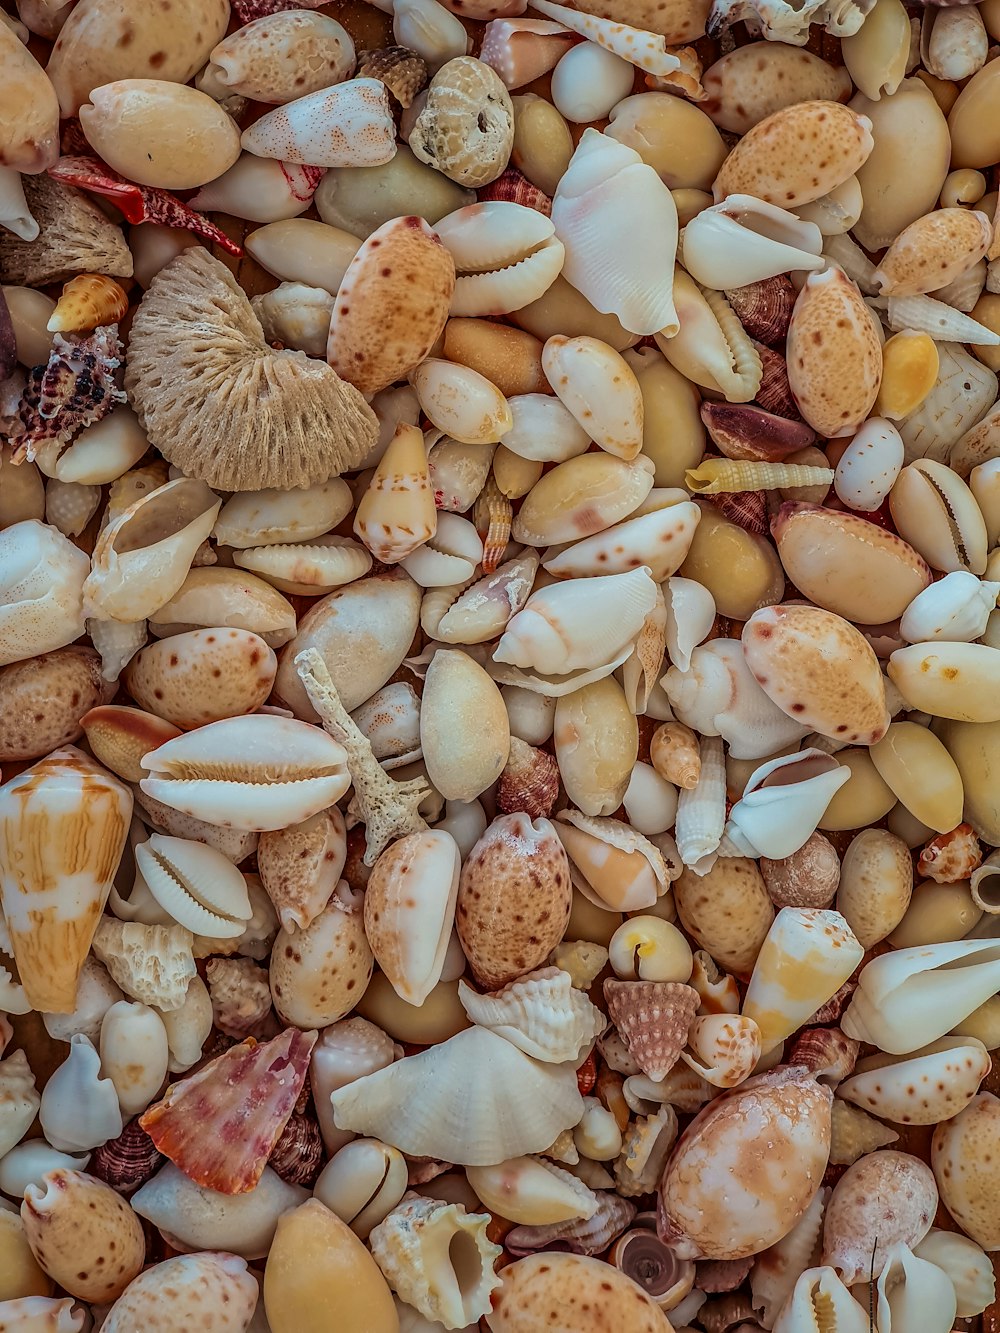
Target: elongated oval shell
{"points": [[280, 57], [921, 1089], [597, 385], [578, 1287], [582, 496], [197, 885], [933, 250], [202, 676], [347, 125]]}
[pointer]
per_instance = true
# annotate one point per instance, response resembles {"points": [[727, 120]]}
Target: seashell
{"points": [[603, 176], [532, 1191], [492, 515], [152, 964], [644, 49], [759, 241], [128, 1161], [931, 675], [372, 356], [876, 883], [869, 465], [837, 211], [347, 125], [653, 1019], [272, 517], [716, 475], [934, 1084], [19, 1101], [935, 429], [940, 321], [529, 782], [44, 1314], [589, 81], [74, 236], [819, 1294], [710, 346], [214, 597], [202, 676], [908, 750], [14, 212], [346, 1050], [70, 506], [568, 1282], [933, 250], [314, 972], [30, 140], [544, 429], [747, 432], [964, 1167], [718, 693], [674, 753], [701, 810], [396, 513], [935, 1000], [935, 510], [722, 1048], [301, 250], [295, 315], [482, 610], [799, 631], [266, 1079], [87, 301], [363, 1183], [313, 778], [522, 50], [817, 375], [840, 143], [119, 736], [828, 1055], [44, 699], [613, 417], [186, 1284], [133, 1049], [309, 568], [240, 997], [32, 1159], [952, 856], [587, 495], [458, 472], [650, 802], [79, 1109], [776, 808], [282, 57], [463, 762], [465, 1103], [613, 865], [408, 1247], [42, 577], [113, 1234], [778, 1001], [855, 1134], [505, 255], [919, 1286], [726, 911], [971, 1273], [877, 56], [196, 884], [450, 557], [95, 994], [588, 1237], [301, 865], [466, 126], [243, 1223], [402, 71], [541, 1013], [764, 308], [807, 878], [776, 1271], [461, 402], [430, 30], [550, 633], [861, 1227], [783, 1114], [259, 189]]}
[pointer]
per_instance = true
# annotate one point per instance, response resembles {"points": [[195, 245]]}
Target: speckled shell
{"points": [[833, 354], [466, 126], [727, 911], [933, 250], [186, 1290], [83, 1234], [822, 142], [283, 56], [883, 1198], [967, 1168], [300, 866], [202, 676], [818, 669], [103, 40], [925, 1088], [348, 125], [319, 974], [392, 305], [43, 700], [747, 1167], [563, 1293], [514, 899], [754, 81]]}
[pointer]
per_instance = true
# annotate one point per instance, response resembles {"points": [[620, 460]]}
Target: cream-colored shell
{"points": [[966, 1168], [185, 1288], [464, 730], [541, 1013], [319, 974], [362, 1183], [281, 57], [532, 1191], [134, 1054], [931, 1085]]}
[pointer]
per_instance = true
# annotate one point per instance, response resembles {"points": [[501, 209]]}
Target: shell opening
{"points": [[234, 771], [189, 887], [467, 1266]]}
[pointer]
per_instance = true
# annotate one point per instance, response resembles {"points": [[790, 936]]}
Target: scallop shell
{"points": [[348, 125], [604, 178], [410, 1245], [541, 1013], [506, 255], [474, 1099]]}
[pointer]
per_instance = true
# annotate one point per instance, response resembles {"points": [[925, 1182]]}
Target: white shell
{"points": [[196, 885], [532, 1191], [544, 430], [450, 556], [258, 189], [390, 721], [913, 1293], [645, 49], [79, 1108], [776, 815], [42, 1314], [27, 1163], [956, 608], [134, 1054], [506, 256], [100, 453], [15, 214], [601, 390], [819, 1294], [910, 997], [589, 81], [18, 1100], [604, 182], [296, 315], [95, 994], [481, 610], [962, 393], [348, 125], [461, 402], [690, 617], [650, 801], [869, 465], [701, 810], [474, 1099], [776, 1270], [931, 1085], [308, 568], [744, 240], [41, 582], [429, 29], [346, 1051], [659, 540], [188, 1027], [942, 322], [969, 1269], [541, 1013], [271, 517]]}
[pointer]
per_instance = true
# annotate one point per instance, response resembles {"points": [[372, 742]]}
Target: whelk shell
{"points": [[532, 1191]]}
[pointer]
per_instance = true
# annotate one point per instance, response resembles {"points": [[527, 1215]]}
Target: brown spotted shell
{"points": [[652, 1018], [466, 127], [392, 305], [884, 1198], [514, 899], [727, 912], [202, 676], [43, 700]]}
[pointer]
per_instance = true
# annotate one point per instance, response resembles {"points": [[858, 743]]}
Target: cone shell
{"points": [[818, 669], [934, 250], [202, 1125], [392, 305], [586, 1291], [834, 356], [187, 1288], [884, 1198], [825, 142], [966, 1168], [396, 514], [747, 1167], [652, 1018], [93, 1262], [514, 899], [88, 300]]}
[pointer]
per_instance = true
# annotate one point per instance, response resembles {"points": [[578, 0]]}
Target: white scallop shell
{"points": [[506, 256], [926, 1087], [474, 1099], [541, 1013], [956, 608], [605, 182], [781, 807], [308, 568], [744, 240], [348, 125], [196, 885], [544, 429]]}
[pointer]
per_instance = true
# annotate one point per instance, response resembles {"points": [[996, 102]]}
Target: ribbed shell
{"points": [[701, 810], [588, 1236], [652, 1018], [541, 1013], [197, 885], [718, 475]]}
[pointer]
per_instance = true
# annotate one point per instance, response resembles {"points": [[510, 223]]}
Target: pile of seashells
{"points": [[499, 689]]}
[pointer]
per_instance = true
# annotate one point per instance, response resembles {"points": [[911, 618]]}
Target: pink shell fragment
{"points": [[138, 203], [75, 388], [302, 179], [220, 1125]]}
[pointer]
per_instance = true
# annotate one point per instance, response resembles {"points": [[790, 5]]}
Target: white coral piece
{"points": [[541, 1013], [152, 964], [437, 1257], [779, 21]]}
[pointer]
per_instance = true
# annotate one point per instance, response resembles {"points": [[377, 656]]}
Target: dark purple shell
{"points": [[128, 1161]]}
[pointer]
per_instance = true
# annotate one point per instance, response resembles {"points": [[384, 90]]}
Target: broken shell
{"points": [[348, 125], [268, 770], [884, 1198], [933, 250], [466, 126]]}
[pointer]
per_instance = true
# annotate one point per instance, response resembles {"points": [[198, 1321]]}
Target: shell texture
{"points": [[541, 1013], [653, 1019], [348, 125], [465, 128], [590, 1236]]}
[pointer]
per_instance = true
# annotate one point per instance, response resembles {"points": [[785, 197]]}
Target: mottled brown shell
{"points": [[807, 878], [298, 1155], [402, 71], [652, 1018], [529, 782], [43, 700], [764, 308], [466, 128], [128, 1161], [829, 1054]]}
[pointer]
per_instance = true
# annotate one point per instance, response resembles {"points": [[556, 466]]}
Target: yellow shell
{"points": [[88, 301], [715, 476], [910, 365]]}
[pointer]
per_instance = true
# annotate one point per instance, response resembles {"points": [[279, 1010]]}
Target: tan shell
{"points": [[883, 1198], [466, 126], [833, 354], [966, 1167], [202, 676], [300, 866], [392, 305], [796, 155], [754, 81], [653, 1019], [319, 974], [726, 911], [514, 899], [120, 736], [103, 40], [464, 728], [876, 881], [29, 139], [43, 700], [585, 1293], [933, 250]]}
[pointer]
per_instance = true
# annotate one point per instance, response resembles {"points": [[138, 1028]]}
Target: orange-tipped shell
{"points": [[87, 302]]}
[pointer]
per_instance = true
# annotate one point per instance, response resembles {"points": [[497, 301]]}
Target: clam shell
{"points": [[541, 1013]]}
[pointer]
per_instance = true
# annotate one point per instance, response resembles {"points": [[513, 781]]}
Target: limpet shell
{"points": [[202, 676]]}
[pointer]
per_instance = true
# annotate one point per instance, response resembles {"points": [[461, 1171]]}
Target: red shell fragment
{"points": [[138, 203], [302, 179], [514, 188], [221, 1125], [75, 388]]}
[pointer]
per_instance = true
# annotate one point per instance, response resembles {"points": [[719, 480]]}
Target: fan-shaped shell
{"points": [[541, 1013]]}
